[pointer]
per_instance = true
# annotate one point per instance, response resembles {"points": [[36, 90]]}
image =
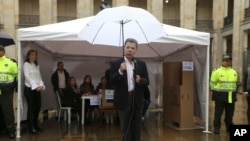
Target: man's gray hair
{"points": [[132, 40]]}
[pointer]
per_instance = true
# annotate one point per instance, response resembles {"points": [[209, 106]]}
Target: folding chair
{"points": [[66, 110]]}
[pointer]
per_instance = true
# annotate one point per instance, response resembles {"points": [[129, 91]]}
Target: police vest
{"points": [[224, 79], [8, 70]]}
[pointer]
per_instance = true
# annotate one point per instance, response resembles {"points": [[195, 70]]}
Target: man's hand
{"points": [[122, 67], [137, 79], [39, 89], [246, 93]]}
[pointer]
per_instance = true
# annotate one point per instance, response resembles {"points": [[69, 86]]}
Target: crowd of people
{"points": [[128, 78], [70, 92]]}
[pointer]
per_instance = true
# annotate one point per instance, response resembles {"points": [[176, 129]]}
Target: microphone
{"points": [[134, 60], [135, 65]]}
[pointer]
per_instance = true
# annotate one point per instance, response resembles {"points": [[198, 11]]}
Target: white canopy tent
{"points": [[59, 42]]}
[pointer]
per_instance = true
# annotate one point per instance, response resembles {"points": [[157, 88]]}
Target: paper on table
{"points": [[109, 94], [94, 100]]}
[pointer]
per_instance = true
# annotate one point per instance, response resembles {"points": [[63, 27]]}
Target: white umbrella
{"points": [[112, 25]]}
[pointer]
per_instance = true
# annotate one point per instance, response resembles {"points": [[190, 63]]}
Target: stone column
{"points": [[8, 17], [237, 52], [188, 13], [119, 2], [85, 8], [217, 45], [48, 11], [155, 7]]}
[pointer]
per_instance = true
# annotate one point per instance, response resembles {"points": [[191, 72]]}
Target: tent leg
{"points": [[207, 91]]}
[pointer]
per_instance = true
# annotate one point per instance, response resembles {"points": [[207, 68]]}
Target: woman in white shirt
{"points": [[32, 91]]}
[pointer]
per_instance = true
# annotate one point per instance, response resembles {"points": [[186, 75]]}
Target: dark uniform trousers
{"points": [[6, 103], [229, 111]]}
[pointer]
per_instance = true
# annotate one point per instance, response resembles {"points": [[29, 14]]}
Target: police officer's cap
{"points": [[2, 48], [226, 57]]}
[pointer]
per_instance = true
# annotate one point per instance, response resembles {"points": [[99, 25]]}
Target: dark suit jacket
{"points": [[70, 97], [121, 85], [55, 80], [245, 82]]}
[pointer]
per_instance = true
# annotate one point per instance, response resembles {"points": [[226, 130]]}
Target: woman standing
{"points": [[32, 90]]}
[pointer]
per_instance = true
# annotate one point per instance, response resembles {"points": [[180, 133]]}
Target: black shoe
{"points": [[12, 135], [217, 130]]}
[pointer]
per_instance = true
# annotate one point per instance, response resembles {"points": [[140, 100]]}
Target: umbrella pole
{"points": [[122, 24]]}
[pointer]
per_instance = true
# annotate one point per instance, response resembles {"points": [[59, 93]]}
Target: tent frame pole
{"points": [[19, 100], [207, 92]]}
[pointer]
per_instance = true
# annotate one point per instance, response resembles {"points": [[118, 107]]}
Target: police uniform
{"points": [[8, 75], [223, 83]]}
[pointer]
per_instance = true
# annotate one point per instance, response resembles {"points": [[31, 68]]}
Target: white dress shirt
{"points": [[32, 76], [130, 74], [61, 78]]}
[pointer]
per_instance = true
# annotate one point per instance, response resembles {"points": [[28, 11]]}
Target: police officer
{"points": [[223, 83], [8, 74]]}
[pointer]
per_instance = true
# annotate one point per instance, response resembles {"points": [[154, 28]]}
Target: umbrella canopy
{"points": [[6, 39], [112, 25]]}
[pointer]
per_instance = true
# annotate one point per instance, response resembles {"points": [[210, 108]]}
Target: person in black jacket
{"points": [[71, 96], [129, 76], [107, 72], [60, 77], [246, 87]]}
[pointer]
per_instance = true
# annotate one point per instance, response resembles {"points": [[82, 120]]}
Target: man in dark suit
{"points": [[60, 77], [129, 76]]}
